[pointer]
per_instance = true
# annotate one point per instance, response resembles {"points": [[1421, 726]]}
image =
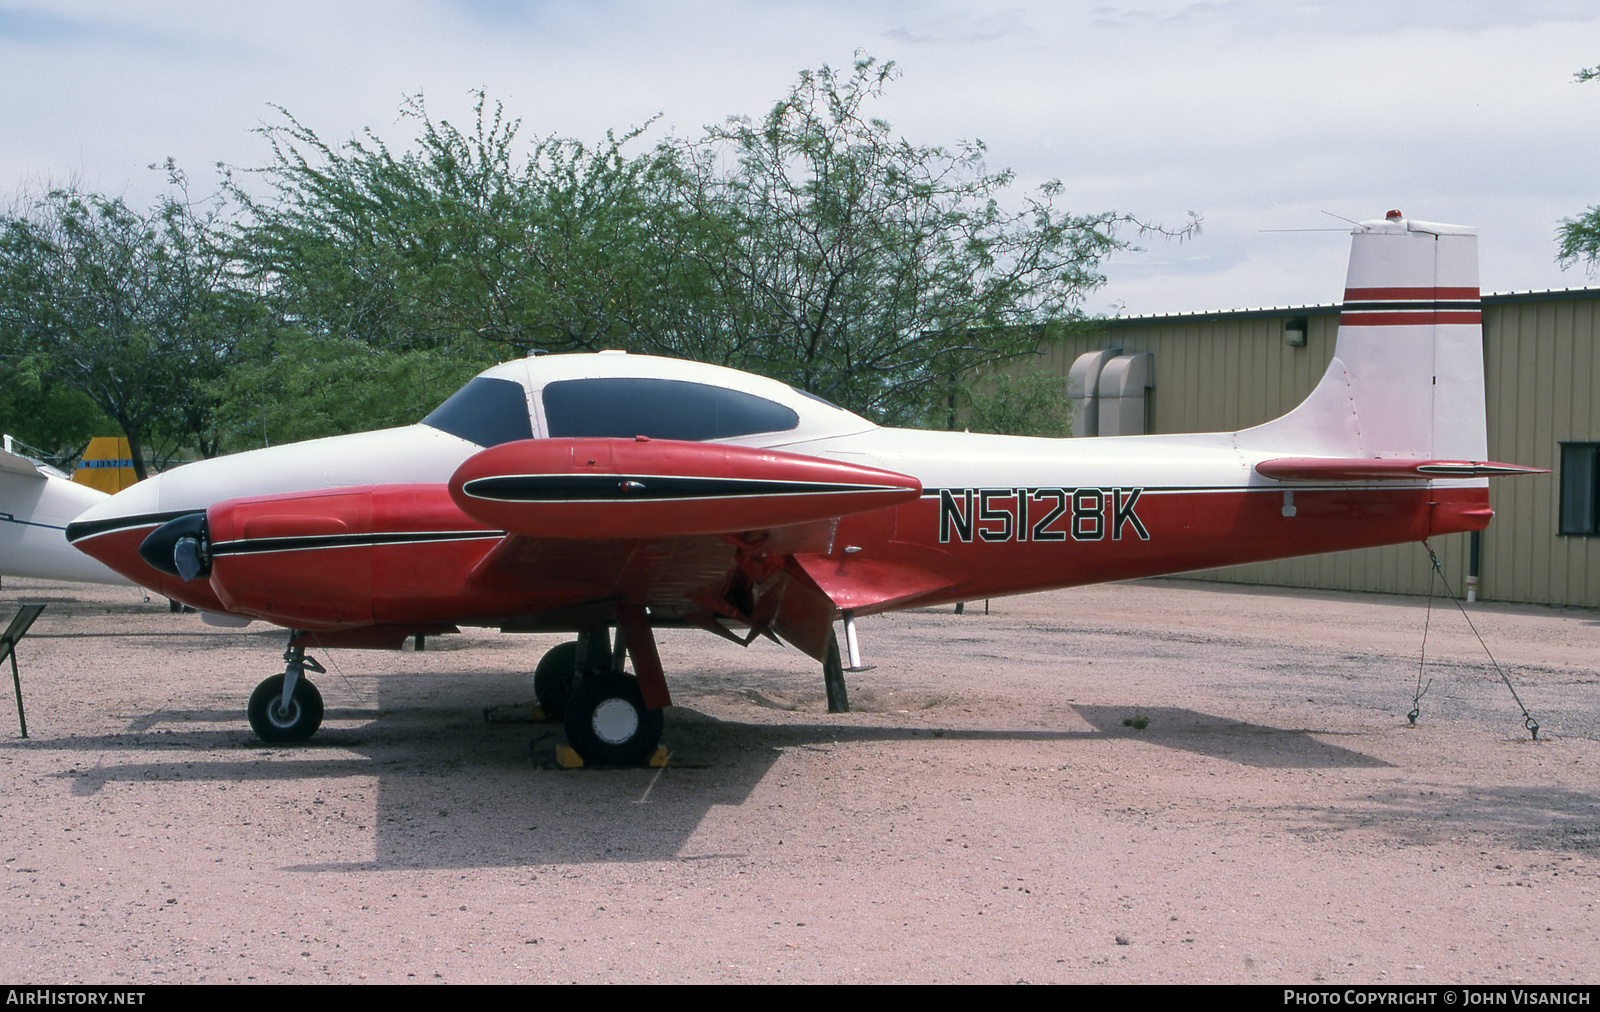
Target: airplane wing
{"points": [[555, 534], [16, 463], [704, 533]]}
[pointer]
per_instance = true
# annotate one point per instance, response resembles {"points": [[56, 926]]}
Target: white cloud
{"points": [[1257, 114]]}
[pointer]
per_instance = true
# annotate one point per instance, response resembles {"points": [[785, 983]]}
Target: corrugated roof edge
{"points": [[1330, 308]]}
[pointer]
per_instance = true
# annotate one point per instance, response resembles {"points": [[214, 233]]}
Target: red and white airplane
{"points": [[592, 493]]}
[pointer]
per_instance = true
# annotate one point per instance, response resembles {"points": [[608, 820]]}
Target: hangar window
{"points": [[1580, 488], [622, 408], [486, 411]]}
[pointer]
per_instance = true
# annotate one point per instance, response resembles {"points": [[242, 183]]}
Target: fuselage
{"points": [[360, 530]]}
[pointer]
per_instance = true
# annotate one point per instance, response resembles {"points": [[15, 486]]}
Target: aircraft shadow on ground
{"points": [[1532, 818], [1226, 738], [453, 791]]}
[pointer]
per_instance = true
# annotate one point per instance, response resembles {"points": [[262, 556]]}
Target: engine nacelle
{"points": [[303, 561], [644, 488]]}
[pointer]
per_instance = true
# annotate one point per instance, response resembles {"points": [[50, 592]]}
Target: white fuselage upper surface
{"points": [[410, 453], [422, 454]]}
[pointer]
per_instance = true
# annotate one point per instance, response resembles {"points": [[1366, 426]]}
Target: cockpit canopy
{"points": [[623, 396], [486, 411]]}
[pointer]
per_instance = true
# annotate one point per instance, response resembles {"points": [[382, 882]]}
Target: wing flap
{"points": [[855, 584]]}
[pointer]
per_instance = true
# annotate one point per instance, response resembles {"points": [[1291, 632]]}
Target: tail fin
{"points": [[106, 465], [1406, 380]]}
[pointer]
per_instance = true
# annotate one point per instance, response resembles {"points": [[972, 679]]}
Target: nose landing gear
{"points": [[287, 707]]}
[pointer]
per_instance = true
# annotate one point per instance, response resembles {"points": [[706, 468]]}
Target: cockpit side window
{"points": [[486, 411], [622, 408]]}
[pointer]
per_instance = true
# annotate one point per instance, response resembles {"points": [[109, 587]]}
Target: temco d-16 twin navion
{"points": [[609, 494]]}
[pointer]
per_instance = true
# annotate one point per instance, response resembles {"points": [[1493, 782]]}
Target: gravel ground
{"points": [[985, 815]]}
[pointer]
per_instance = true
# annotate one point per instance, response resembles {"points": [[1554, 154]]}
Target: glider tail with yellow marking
{"points": [[106, 465]]}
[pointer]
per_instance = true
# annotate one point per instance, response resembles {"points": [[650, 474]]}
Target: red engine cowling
{"points": [[297, 560]]}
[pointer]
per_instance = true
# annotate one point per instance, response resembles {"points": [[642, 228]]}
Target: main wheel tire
{"points": [[272, 723], [554, 678], [607, 722]]}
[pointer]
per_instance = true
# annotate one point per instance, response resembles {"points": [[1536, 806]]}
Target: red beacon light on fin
{"points": [[1394, 216]]}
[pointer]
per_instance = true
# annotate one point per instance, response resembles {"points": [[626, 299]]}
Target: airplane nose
{"points": [[180, 547]]}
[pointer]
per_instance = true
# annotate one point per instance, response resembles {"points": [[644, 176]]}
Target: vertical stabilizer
{"points": [[1406, 380], [106, 465]]}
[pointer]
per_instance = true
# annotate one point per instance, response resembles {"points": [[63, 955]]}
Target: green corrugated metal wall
{"points": [[1543, 376]]}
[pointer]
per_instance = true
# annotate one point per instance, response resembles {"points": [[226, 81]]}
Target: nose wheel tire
{"points": [[275, 724], [555, 677], [607, 723]]}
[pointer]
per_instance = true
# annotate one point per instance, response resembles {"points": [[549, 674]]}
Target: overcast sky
{"points": [[1257, 114]]}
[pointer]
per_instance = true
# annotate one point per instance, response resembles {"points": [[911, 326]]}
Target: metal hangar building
{"points": [[1211, 371]]}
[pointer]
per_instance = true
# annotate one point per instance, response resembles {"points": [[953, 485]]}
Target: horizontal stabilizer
{"points": [[656, 488], [1384, 469]]}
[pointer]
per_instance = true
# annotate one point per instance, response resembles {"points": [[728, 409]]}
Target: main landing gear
{"points": [[611, 718], [287, 707], [604, 710], [607, 722]]}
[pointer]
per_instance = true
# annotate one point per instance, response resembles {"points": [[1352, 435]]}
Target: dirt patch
{"points": [[989, 813]]}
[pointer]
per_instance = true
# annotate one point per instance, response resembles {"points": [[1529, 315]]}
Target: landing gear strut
{"points": [[833, 678], [287, 707]]}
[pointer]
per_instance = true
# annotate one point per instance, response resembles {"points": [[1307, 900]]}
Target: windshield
{"points": [[486, 411]]}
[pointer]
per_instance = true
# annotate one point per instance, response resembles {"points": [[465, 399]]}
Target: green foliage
{"points": [[813, 246], [1579, 238], [362, 284], [461, 247], [134, 311], [302, 386], [54, 418], [867, 269], [1022, 402]]}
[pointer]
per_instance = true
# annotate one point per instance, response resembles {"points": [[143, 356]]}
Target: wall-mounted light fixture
{"points": [[1294, 332]]}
